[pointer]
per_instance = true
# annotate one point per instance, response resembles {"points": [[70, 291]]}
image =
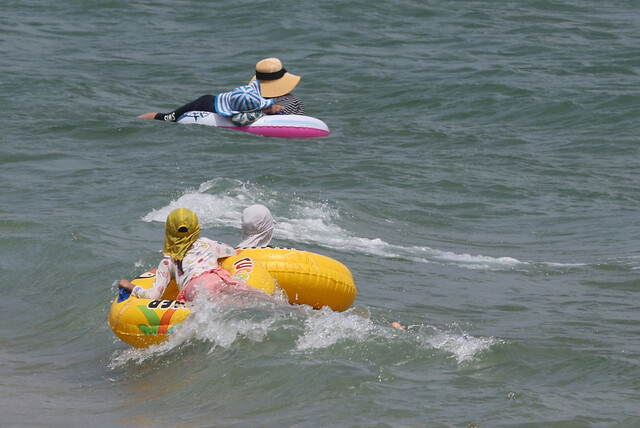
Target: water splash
{"points": [[462, 346], [220, 202], [302, 329], [326, 328], [221, 323]]}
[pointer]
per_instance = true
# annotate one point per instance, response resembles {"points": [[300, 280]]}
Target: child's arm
{"points": [[273, 109]]}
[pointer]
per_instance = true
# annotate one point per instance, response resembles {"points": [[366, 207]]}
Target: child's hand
{"points": [[126, 285], [273, 109]]}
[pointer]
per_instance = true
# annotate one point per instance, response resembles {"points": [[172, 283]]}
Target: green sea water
{"points": [[480, 181]]}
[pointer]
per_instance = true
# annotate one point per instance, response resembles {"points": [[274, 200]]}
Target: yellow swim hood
{"points": [[182, 230]]}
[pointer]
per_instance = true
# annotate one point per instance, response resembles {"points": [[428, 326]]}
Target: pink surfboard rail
{"points": [[279, 125]]}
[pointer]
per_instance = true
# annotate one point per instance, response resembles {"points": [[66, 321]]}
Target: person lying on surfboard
{"points": [[243, 106]]}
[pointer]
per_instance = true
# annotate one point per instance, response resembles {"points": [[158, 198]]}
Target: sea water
{"points": [[481, 183]]}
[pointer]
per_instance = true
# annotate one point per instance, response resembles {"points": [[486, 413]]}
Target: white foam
{"points": [[462, 346], [564, 265], [210, 209], [326, 328], [476, 261], [220, 202], [219, 323]]}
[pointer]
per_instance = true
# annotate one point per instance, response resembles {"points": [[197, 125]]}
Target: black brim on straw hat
{"points": [[275, 81]]}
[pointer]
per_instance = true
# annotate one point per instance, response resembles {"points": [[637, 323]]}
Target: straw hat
{"points": [[275, 80]]}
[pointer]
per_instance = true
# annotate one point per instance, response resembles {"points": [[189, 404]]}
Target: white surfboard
{"points": [[278, 125]]}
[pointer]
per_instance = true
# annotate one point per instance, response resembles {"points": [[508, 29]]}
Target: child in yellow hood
{"points": [[192, 261]]}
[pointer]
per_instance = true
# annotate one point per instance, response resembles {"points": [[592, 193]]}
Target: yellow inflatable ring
{"points": [[307, 278], [146, 322]]}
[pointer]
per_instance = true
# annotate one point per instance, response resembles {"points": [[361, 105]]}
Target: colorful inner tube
{"points": [[307, 278]]}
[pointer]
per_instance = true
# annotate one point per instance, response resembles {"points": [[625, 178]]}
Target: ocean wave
{"points": [[220, 202]]}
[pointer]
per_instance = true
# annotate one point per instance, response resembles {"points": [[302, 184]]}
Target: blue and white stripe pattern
{"points": [[241, 100]]}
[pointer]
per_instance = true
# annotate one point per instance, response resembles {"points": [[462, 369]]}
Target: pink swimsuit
{"points": [[216, 281]]}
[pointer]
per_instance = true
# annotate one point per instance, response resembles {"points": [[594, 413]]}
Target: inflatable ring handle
{"points": [[123, 295]]}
